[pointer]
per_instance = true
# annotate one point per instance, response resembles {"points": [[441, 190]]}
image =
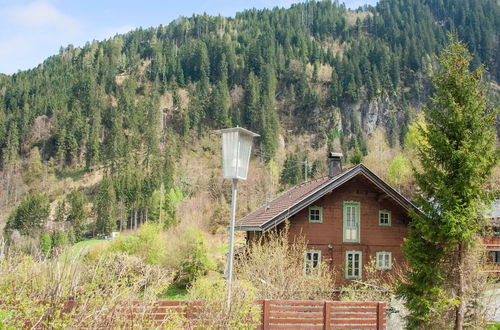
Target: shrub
{"points": [[35, 294], [46, 243], [242, 314], [148, 243], [188, 254], [275, 267], [31, 214], [59, 240]]}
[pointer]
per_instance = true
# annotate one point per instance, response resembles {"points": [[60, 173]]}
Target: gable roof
{"points": [[302, 195]]}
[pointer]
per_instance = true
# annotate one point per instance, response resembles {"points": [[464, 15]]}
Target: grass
{"points": [[79, 247], [495, 326], [175, 293], [75, 174]]}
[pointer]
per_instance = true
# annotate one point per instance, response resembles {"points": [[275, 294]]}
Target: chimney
{"points": [[334, 163]]}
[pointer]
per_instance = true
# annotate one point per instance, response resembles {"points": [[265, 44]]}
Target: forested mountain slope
{"points": [[132, 103]]}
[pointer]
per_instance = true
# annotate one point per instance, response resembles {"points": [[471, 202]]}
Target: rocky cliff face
{"points": [[381, 111]]}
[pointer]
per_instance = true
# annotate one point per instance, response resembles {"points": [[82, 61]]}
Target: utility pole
{"points": [[161, 200], [305, 170]]}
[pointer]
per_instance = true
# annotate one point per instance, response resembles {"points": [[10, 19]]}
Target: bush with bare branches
{"points": [[275, 267], [35, 293], [212, 312]]}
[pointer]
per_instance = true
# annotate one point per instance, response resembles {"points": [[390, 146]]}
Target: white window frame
{"points": [[381, 260], [384, 212], [315, 208], [360, 254], [312, 270], [347, 236]]}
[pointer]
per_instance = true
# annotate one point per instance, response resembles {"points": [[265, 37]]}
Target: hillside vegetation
{"points": [[119, 132]]}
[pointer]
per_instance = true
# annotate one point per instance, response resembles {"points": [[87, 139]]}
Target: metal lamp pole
{"points": [[236, 151], [231, 241]]}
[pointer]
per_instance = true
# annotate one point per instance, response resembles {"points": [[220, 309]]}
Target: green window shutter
{"points": [[351, 221]]}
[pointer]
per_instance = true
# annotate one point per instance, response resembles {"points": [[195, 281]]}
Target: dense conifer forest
{"points": [[131, 103]]}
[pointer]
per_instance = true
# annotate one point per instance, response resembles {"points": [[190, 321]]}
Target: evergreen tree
{"points": [[251, 103], [105, 207], [269, 125], [457, 158], [78, 213], [92, 155], [220, 105], [34, 172], [31, 214]]}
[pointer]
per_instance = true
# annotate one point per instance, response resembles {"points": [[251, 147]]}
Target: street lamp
{"points": [[236, 149]]}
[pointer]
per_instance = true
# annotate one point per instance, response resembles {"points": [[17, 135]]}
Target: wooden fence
{"points": [[293, 314], [307, 314], [274, 314]]}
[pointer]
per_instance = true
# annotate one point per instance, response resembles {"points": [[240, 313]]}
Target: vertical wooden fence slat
{"points": [[380, 316], [265, 315], [326, 315]]}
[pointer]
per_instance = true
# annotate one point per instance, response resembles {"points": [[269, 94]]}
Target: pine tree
{"points": [[92, 155], [220, 105], [78, 213], [31, 214], [105, 205], [251, 103], [269, 118], [456, 158]]}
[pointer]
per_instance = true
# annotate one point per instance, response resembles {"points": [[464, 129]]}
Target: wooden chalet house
{"points": [[348, 218], [492, 239]]}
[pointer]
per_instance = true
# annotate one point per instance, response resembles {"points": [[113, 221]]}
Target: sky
{"points": [[32, 30]]}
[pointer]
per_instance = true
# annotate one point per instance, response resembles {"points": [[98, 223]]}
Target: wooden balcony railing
{"points": [[492, 243]]}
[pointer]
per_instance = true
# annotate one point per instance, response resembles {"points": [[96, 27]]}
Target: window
{"points": [[384, 260], [353, 264], [494, 257], [351, 221], [312, 261], [384, 218], [315, 214]]}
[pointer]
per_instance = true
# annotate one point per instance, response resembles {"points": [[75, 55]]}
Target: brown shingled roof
{"points": [[298, 197], [282, 203]]}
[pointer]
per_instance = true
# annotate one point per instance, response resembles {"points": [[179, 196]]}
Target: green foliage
{"points": [[103, 98], [148, 244], [293, 171], [46, 243], [105, 206], [34, 172], [31, 214], [37, 292], [400, 171], [197, 261], [456, 160], [243, 314], [60, 240], [78, 213], [173, 197]]}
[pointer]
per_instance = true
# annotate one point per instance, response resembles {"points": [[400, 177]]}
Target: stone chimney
{"points": [[334, 163]]}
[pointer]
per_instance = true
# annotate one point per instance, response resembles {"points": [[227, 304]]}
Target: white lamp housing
{"points": [[236, 149]]}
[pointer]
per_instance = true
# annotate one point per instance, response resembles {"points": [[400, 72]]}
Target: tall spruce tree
{"points": [[105, 205], [456, 160], [78, 213]]}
